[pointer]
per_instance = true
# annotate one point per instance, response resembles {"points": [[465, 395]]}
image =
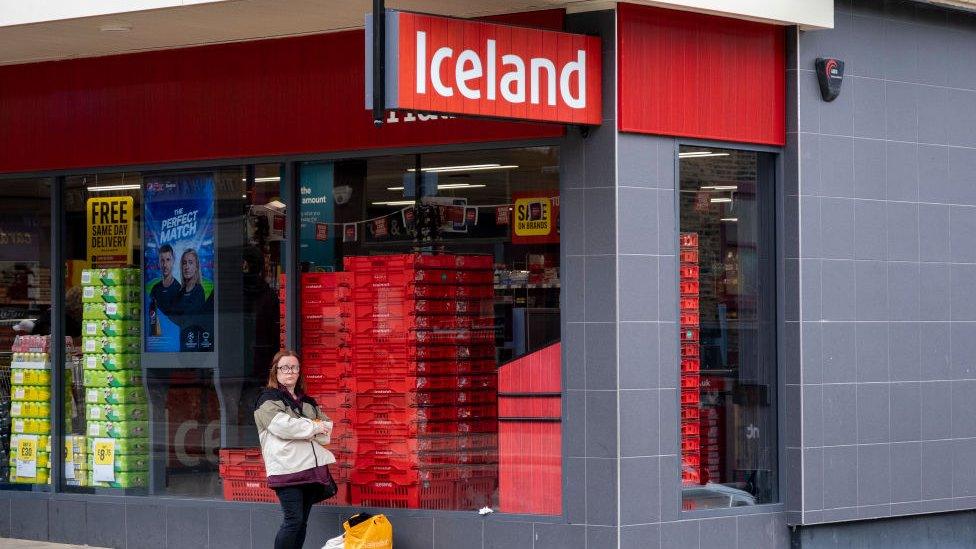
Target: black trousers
{"points": [[296, 502]]}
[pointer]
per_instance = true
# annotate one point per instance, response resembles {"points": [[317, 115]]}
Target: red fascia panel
{"points": [[702, 76], [260, 98]]}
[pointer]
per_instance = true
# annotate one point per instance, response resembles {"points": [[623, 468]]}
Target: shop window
{"points": [[25, 328], [430, 327], [177, 279], [727, 328]]}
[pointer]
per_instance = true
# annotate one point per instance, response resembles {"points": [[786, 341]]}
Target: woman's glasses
{"points": [[288, 369]]}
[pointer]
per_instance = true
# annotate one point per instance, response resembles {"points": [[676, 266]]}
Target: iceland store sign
{"points": [[456, 66]]}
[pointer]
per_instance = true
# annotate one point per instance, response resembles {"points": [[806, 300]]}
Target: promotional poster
{"points": [[179, 263]]}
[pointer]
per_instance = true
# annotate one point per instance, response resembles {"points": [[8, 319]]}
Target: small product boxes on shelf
{"points": [[76, 466], [30, 411], [690, 359], [116, 406]]}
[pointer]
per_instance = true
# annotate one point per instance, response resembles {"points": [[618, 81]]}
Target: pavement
{"points": [[8, 543]]}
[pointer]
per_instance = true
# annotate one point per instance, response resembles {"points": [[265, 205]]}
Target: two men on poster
{"points": [[179, 263]]}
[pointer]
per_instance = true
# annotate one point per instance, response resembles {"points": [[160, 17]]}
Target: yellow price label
{"points": [[105, 452], [27, 449]]}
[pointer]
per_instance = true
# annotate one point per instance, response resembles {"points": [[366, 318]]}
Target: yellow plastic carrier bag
{"points": [[368, 532]]}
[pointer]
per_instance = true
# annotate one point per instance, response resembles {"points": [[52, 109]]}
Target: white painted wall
{"points": [[806, 13], [23, 12]]}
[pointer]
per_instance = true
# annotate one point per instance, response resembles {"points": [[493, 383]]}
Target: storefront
{"points": [[595, 323]]}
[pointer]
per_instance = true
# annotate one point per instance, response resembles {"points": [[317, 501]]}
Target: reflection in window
{"points": [[727, 328]]}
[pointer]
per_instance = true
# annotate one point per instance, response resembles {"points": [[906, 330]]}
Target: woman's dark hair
{"points": [[273, 373]]}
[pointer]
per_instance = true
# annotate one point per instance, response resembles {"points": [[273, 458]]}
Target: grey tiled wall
{"points": [[882, 267]]}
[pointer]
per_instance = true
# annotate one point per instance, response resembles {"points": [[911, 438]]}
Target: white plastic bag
{"points": [[338, 542]]}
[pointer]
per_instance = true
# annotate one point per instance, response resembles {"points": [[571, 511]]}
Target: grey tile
{"points": [[638, 355], [962, 124], [902, 231], [901, 174], [450, 533], [962, 164], [794, 416], [836, 117], [68, 521], [575, 423], [187, 527], [871, 344], [667, 268], [411, 533], [900, 52], [810, 238], [670, 489], [933, 291], [601, 536], [936, 410], [680, 534], [901, 114], [839, 515], [906, 472], [904, 351], [840, 414], [600, 160], [837, 228], [812, 354], [838, 290], [809, 164], [29, 519], [645, 536], [600, 289], [638, 478], [601, 359], [869, 229], [574, 490], [869, 168], [869, 107], [5, 518], [789, 352], [935, 347], [572, 224], [963, 420], [813, 478], [871, 291], [766, 530], [873, 420], [667, 234], [933, 161], [668, 353], [962, 234], [639, 423], [143, 527], [324, 523], [599, 211], [638, 288], [839, 357], [574, 357], [638, 221], [719, 532], [264, 525], [505, 535], [572, 171], [961, 350], [636, 160], [873, 474], [791, 290], [906, 412], [573, 289], [962, 74], [933, 115], [868, 512], [903, 291], [601, 424], [837, 166], [962, 287], [867, 55], [810, 103], [963, 468], [559, 536], [668, 410], [667, 154], [813, 417], [226, 528], [105, 524]]}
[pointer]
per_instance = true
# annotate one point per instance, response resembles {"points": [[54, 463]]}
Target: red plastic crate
{"points": [[688, 287], [688, 256], [475, 493], [248, 490], [464, 442], [381, 414], [690, 318], [378, 383], [386, 428], [425, 398], [689, 272], [535, 406], [690, 413], [690, 365], [451, 261], [689, 304], [689, 398], [690, 350], [430, 495], [689, 333], [530, 467], [455, 367], [688, 240]]}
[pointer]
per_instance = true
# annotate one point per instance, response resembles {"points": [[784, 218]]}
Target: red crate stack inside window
{"points": [[423, 357], [690, 359]]}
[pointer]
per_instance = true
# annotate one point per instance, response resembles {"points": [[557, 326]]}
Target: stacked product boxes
{"points": [[426, 384], [690, 359], [30, 411], [116, 407]]}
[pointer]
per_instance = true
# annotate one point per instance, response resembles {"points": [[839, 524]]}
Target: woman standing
{"points": [[293, 431]]}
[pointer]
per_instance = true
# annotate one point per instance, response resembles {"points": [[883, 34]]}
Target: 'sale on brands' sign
{"points": [[457, 66]]}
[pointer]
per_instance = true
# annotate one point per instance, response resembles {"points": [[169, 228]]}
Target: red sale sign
{"points": [[456, 66]]}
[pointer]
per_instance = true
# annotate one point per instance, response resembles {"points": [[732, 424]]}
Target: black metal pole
{"points": [[379, 60], [56, 350], [292, 251]]}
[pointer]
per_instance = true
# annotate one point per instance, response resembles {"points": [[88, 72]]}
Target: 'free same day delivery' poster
{"points": [[179, 263]]}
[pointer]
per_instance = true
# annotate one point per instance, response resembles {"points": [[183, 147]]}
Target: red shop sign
{"points": [[457, 66]]}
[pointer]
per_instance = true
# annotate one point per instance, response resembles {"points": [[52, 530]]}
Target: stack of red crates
{"points": [[426, 382], [243, 476], [690, 358]]}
